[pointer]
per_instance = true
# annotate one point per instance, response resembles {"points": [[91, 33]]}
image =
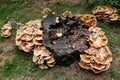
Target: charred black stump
{"points": [[78, 38], [64, 35]]}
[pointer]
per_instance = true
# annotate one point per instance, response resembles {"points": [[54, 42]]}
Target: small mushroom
{"points": [[103, 55], [97, 38], [97, 66], [86, 58], [107, 13], [42, 66], [41, 54], [29, 39], [107, 66], [5, 30], [98, 9], [35, 59], [39, 50], [45, 11], [96, 59], [26, 46], [29, 35], [88, 19], [66, 13], [34, 23], [84, 65], [113, 17], [37, 40]]}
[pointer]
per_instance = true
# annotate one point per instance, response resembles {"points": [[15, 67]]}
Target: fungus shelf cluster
{"points": [[6, 29], [29, 39], [98, 56], [96, 59], [65, 34], [107, 13]]}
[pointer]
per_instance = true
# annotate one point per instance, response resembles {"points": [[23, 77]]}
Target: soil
{"points": [[7, 46], [3, 58]]}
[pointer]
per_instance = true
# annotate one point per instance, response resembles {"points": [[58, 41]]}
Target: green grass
{"points": [[15, 66], [2, 38], [63, 6], [15, 13], [6, 11], [115, 75], [112, 33], [1, 50], [21, 64]]}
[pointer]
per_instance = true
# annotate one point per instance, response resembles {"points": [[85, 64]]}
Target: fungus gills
{"points": [[29, 39], [6, 29], [107, 13], [97, 60]]}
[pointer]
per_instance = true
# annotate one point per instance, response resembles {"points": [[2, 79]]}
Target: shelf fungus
{"points": [[97, 37], [65, 35], [107, 13], [43, 57], [29, 35], [88, 19], [96, 59], [66, 13], [5, 31], [45, 11], [29, 39]]}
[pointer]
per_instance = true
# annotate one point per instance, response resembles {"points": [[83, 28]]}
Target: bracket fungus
{"points": [[96, 59], [29, 39], [107, 13], [88, 19], [29, 35], [65, 35], [43, 57], [5, 31], [66, 13], [45, 11], [97, 38]]}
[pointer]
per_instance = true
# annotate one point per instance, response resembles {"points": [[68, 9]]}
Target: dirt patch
{"points": [[8, 46], [44, 3], [4, 57], [116, 61], [8, 43], [74, 72], [25, 77]]}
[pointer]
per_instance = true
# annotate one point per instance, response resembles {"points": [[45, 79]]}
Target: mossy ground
{"points": [[20, 65]]}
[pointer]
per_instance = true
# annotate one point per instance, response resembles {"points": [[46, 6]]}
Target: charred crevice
{"points": [[78, 38]]}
